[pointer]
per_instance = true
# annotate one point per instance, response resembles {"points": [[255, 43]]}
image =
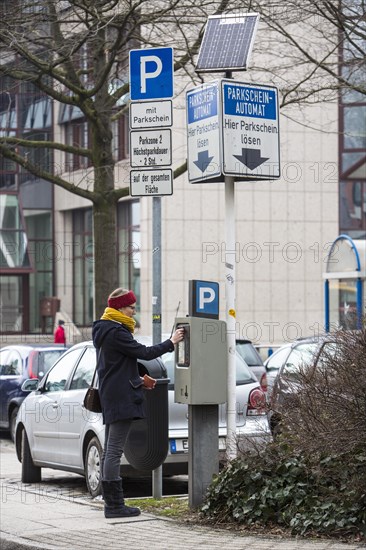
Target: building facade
{"points": [[284, 228]]}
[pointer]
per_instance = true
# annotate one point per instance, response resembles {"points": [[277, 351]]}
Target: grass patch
{"points": [[171, 507]]}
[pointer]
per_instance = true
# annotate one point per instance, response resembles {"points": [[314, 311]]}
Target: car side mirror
{"points": [[31, 384]]}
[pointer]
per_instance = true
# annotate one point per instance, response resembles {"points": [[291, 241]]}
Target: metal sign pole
{"points": [[151, 85], [230, 260], [218, 52], [157, 475], [230, 282]]}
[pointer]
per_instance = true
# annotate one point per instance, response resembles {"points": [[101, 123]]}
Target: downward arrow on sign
{"points": [[251, 158], [203, 160]]}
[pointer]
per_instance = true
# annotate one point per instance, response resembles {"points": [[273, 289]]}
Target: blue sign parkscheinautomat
{"points": [[249, 101], [202, 103]]}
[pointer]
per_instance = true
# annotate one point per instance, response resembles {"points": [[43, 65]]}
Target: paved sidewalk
{"points": [[31, 519], [53, 515]]}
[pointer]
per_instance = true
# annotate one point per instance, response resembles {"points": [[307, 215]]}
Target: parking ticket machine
{"points": [[200, 376]]}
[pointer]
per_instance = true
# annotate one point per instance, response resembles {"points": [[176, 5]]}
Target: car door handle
{"points": [[55, 405]]}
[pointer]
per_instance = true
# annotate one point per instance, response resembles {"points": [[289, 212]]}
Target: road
{"points": [[57, 482]]}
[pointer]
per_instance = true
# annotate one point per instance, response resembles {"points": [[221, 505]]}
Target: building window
{"points": [[129, 246], [352, 185], [352, 197], [13, 238], [25, 111], [76, 135], [42, 251], [352, 143], [129, 257], [120, 130], [8, 128], [8, 175], [83, 261], [12, 303]]}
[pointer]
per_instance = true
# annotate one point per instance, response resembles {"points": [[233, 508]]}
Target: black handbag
{"points": [[92, 400]]}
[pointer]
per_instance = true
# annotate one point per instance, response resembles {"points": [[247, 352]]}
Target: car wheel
{"points": [[12, 422], [93, 470], [30, 472]]}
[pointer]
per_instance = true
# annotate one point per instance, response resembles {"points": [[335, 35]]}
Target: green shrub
{"points": [[283, 487], [313, 477]]}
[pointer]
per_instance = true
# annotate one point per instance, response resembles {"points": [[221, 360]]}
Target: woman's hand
{"points": [[177, 336], [149, 383]]}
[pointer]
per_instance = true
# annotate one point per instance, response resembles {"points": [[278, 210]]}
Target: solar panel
{"points": [[227, 42]]}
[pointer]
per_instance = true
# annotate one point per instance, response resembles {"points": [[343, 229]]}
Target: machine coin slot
{"points": [[183, 350]]}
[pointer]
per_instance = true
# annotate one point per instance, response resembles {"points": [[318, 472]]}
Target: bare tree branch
{"points": [[76, 52]]}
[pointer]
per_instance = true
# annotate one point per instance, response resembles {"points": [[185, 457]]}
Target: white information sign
{"points": [[151, 182], [203, 132], [151, 114], [150, 148], [250, 130]]}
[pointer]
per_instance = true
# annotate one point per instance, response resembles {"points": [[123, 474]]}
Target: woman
{"points": [[121, 388]]}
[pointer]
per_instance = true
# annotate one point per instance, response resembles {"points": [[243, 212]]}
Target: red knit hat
{"points": [[122, 301]]}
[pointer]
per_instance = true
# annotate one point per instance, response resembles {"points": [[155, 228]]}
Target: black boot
{"points": [[114, 503]]}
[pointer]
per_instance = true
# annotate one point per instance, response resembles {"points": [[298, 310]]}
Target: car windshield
{"points": [[47, 359], [57, 377], [248, 352], [275, 361], [328, 353], [301, 357], [243, 373]]}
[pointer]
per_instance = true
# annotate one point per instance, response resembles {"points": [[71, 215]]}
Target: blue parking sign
{"points": [[204, 299], [151, 73]]}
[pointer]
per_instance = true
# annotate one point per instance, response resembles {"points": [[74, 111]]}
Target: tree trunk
{"points": [[104, 212], [105, 253]]}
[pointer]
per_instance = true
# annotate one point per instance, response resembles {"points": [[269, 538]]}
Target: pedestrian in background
{"points": [[121, 388], [60, 335]]}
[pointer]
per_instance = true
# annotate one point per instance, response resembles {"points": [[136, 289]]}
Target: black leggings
{"points": [[115, 439]]}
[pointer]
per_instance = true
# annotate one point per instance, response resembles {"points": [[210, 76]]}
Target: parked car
{"points": [[17, 363], [283, 368], [254, 361], [273, 365], [55, 431]]}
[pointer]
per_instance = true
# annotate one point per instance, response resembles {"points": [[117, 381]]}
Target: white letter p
{"points": [[145, 75], [207, 295]]}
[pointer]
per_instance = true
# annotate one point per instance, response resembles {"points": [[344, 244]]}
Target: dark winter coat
{"points": [[120, 386]]}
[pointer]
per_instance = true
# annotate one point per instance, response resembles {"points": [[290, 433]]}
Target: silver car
{"points": [[283, 368], [273, 365], [54, 430], [254, 361]]}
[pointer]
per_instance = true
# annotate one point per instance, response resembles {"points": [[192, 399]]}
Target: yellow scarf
{"points": [[111, 314]]}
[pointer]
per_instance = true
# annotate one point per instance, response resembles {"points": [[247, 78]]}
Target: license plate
{"points": [[181, 445], [178, 446]]}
